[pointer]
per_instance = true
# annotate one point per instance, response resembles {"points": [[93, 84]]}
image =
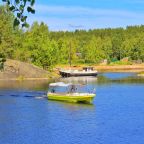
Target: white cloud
{"points": [[61, 17], [84, 11]]}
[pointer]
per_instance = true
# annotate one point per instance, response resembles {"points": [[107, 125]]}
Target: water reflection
{"points": [[114, 76], [102, 79], [25, 84], [121, 78], [79, 80], [74, 106], [106, 79]]}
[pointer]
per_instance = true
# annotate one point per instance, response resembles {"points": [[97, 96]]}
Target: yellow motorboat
{"points": [[71, 95]]}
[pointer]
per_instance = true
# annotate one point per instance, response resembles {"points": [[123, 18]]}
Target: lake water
{"points": [[115, 117]]}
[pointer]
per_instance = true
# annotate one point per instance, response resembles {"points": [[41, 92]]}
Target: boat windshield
{"points": [[60, 84], [61, 87]]}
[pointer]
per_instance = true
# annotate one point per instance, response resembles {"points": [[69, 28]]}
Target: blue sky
{"points": [[88, 14]]}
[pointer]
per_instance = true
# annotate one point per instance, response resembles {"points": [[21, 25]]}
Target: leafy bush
{"points": [[120, 63], [2, 61]]}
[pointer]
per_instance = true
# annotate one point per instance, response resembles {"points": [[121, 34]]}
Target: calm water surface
{"points": [[116, 116]]}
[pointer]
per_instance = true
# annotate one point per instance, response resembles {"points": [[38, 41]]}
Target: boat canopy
{"points": [[59, 84]]}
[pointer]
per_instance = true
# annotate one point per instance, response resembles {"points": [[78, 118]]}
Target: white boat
{"points": [[87, 71]]}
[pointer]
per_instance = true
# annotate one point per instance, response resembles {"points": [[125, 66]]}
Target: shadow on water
{"points": [[73, 106]]}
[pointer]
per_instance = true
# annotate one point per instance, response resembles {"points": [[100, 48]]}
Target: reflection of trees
{"points": [[27, 84], [128, 80], [43, 84], [80, 80], [102, 80]]}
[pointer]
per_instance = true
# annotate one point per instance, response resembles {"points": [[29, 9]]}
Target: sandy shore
{"points": [[109, 68], [121, 68]]}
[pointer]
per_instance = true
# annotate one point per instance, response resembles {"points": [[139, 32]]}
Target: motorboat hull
{"points": [[77, 74], [74, 98]]}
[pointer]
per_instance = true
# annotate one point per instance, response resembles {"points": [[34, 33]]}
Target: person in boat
{"points": [[53, 90], [73, 88]]}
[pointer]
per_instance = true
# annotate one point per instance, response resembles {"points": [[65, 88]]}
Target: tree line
{"points": [[46, 48]]}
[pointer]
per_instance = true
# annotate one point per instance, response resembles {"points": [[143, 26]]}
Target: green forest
{"points": [[46, 48]]}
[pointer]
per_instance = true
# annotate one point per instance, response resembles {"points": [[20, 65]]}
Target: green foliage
{"points": [[2, 61], [120, 63], [18, 7], [41, 47], [7, 33], [94, 52]]}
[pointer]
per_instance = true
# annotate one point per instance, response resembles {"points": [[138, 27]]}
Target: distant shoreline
{"points": [[110, 68], [121, 68], [135, 68]]}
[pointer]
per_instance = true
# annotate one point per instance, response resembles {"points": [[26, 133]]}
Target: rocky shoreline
{"points": [[16, 70]]}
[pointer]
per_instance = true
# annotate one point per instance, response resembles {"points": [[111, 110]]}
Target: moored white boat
{"points": [[87, 71]]}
